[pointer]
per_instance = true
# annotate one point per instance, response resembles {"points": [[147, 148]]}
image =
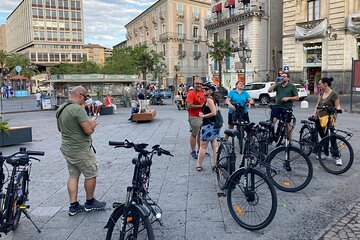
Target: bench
{"points": [[144, 117], [106, 110]]}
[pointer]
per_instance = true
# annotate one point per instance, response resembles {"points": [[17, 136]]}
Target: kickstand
{"points": [[28, 216]]}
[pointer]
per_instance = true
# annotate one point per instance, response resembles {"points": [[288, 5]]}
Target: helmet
{"points": [[210, 85]]}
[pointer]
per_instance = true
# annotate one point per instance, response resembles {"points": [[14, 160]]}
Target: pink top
{"points": [[107, 101]]}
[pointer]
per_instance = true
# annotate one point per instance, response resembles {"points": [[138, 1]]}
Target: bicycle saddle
{"points": [[231, 132]]}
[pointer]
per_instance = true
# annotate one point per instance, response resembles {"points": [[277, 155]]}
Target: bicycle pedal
{"points": [[221, 194]]}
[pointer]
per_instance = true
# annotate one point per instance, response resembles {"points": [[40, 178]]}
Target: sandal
{"points": [[199, 169]]}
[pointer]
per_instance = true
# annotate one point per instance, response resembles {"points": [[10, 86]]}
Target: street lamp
{"points": [[245, 57]]}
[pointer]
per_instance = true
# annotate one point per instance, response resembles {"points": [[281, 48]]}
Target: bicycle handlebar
{"points": [[21, 157], [140, 147]]}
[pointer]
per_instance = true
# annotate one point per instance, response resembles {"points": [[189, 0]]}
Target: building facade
{"points": [[95, 53], [320, 38], [252, 25], [3, 41], [176, 30], [47, 31]]}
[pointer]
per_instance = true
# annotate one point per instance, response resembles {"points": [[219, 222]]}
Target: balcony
{"points": [[309, 25], [153, 40], [180, 16], [196, 19], [169, 36], [221, 19], [181, 54], [197, 55], [155, 21], [197, 38]]}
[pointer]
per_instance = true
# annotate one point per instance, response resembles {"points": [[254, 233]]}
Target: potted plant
{"points": [[14, 135]]}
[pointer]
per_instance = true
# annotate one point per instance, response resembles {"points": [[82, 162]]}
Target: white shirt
{"points": [[38, 96]]}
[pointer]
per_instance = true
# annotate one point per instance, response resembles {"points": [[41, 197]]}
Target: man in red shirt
{"points": [[195, 99]]}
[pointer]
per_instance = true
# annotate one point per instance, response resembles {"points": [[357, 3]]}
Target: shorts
{"points": [[195, 125], [209, 133], [245, 117], [278, 112], [82, 162]]}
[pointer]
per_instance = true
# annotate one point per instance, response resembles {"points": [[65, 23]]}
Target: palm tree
{"points": [[218, 51], [144, 60], [16, 59], [3, 57]]}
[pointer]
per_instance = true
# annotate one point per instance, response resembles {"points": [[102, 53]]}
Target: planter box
{"points": [[144, 117], [15, 135]]}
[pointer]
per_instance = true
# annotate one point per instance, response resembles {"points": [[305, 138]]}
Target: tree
{"points": [[17, 59], [3, 56], [218, 51], [144, 60], [121, 62], [159, 68]]}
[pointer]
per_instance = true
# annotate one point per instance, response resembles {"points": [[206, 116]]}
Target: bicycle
{"points": [[251, 197], [133, 219], [13, 202], [340, 148], [287, 166]]}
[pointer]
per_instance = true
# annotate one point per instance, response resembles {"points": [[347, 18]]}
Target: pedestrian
{"points": [[143, 104], [327, 97], [208, 132], [38, 99], [195, 100], [108, 103], [286, 93], [89, 105], [77, 149], [238, 96], [97, 107]]}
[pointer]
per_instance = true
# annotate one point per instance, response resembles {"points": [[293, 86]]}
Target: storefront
{"points": [[20, 86], [312, 66]]}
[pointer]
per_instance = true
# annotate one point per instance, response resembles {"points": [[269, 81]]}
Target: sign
{"points": [[286, 69], [46, 103], [18, 69]]}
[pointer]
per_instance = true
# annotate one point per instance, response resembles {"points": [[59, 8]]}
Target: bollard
{"points": [[304, 104]]}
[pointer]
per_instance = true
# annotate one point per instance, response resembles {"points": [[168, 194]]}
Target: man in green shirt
{"points": [[286, 93], [76, 147]]}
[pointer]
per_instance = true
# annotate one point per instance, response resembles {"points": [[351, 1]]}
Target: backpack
{"points": [[219, 121]]}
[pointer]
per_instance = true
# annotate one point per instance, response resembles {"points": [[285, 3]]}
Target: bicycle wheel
{"points": [[289, 168], [223, 164], [134, 226], [339, 150], [305, 140], [251, 199], [19, 191]]}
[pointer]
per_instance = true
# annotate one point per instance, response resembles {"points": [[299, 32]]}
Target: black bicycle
{"points": [[289, 168], [133, 219], [337, 158], [13, 200], [251, 197]]}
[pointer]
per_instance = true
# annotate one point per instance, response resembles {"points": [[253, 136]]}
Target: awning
{"points": [[219, 8], [19, 78], [229, 4]]}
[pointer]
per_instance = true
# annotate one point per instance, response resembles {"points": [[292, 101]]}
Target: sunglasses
{"points": [[81, 94], [206, 89]]}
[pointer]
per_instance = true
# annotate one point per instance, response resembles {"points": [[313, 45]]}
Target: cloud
{"points": [[104, 20]]}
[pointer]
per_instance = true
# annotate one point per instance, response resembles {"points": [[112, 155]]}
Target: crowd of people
{"points": [[202, 105]]}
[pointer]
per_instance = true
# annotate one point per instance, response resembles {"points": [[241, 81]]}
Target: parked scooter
{"points": [[181, 104]]}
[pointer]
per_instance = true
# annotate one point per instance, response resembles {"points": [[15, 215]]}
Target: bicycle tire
{"points": [[223, 165], [292, 176], [248, 208], [20, 190], [305, 140], [347, 157], [135, 220]]}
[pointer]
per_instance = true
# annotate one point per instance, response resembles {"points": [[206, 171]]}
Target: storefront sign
{"points": [[312, 47]]}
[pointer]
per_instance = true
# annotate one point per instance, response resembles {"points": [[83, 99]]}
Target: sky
{"points": [[104, 20]]}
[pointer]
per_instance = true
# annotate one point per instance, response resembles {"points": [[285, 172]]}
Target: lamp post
{"points": [[245, 57]]}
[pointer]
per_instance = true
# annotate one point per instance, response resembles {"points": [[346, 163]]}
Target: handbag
{"points": [[219, 121], [324, 120]]}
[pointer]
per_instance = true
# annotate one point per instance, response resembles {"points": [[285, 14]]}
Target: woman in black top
{"points": [[208, 131]]}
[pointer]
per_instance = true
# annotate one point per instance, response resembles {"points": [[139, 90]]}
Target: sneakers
{"points": [[338, 162], [73, 210], [194, 155], [96, 205]]}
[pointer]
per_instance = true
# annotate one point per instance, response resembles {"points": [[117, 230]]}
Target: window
{"points": [[195, 31], [215, 37], [196, 63], [61, 3], [215, 64], [66, 4], [47, 13], [181, 63], [179, 28], [196, 47], [53, 13], [180, 47], [313, 10], [179, 8], [33, 57], [227, 62], [241, 34], [196, 13], [231, 11], [227, 35]]}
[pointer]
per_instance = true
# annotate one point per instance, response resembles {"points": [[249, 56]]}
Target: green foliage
{"points": [[4, 125], [3, 56], [16, 59], [121, 62], [219, 50], [85, 67]]}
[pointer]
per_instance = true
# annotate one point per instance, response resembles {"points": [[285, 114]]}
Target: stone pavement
{"points": [[189, 200]]}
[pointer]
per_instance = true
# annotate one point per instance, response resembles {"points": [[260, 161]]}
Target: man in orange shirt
{"points": [[195, 99]]}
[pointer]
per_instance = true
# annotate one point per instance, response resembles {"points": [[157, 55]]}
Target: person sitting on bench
{"points": [[108, 103], [97, 107], [143, 104], [89, 105]]}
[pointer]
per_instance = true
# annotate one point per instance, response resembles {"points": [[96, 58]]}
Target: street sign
{"points": [[286, 69], [18, 69]]}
